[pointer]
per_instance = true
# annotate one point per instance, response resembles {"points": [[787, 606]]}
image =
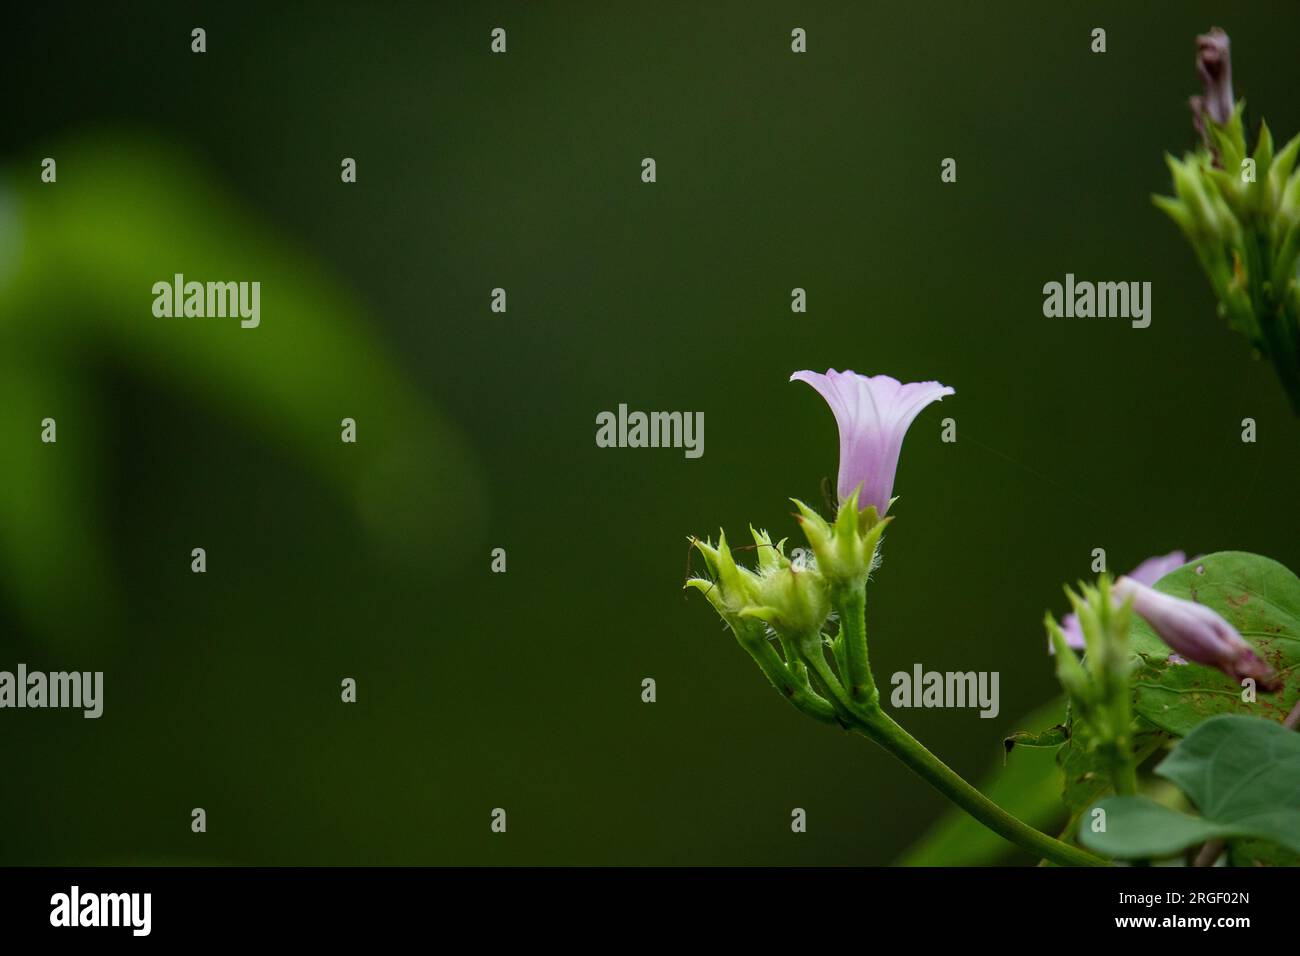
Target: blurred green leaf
{"points": [[77, 265], [1242, 773]]}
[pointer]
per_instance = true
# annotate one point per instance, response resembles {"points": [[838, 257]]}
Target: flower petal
{"points": [[873, 414]]}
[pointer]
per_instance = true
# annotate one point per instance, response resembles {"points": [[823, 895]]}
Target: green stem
{"points": [[804, 698], [816, 658], [880, 727], [851, 605], [1124, 769], [1268, 300]]}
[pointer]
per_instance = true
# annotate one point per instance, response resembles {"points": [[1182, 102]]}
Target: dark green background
{"points": [[775, 170]]}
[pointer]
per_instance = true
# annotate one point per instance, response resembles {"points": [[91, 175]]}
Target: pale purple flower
{"points": [[1198, 633], [1148, 572], [873, 413]]}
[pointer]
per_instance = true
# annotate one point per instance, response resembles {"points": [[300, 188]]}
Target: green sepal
{"points": [[845, 550], [1176, 210], [770, 556], [1073, 678], [1281, 169]]}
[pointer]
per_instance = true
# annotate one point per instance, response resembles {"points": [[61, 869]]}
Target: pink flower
{"points": [[1198, 633], [873, 413]]}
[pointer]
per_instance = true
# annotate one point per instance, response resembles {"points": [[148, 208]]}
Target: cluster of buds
{"points": [[1098, 685], [791, 599], [1241, 212]]}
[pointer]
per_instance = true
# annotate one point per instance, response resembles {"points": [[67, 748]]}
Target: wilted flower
{"points": [[1198, 633], [1214, 64], [873, 413]]}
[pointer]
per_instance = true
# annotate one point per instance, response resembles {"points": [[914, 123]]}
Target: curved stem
{"points": [[816, 658], [804, 698], [880, 727]]}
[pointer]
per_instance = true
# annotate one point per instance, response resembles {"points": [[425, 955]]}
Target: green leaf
{"points": [[1087, 774], [1261, 599], [1242, 773], [1138, 828]]}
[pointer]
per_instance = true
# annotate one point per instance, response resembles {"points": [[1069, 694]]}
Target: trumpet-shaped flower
{"points": [[873, 413]]}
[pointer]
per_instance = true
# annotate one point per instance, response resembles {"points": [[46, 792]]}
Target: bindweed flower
{"points": [[873, 413], [1148, 572], [783, 603], [1198, 633]]}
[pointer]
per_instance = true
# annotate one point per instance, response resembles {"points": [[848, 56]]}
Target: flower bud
{"points": [[791, 600], [845, 550], [1214, 64], [1198, 633], [731, 589]]}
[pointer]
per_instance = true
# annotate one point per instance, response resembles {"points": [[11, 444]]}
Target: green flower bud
{"points": [[1098, 686], [732, 588], [791, 599], [794, 602], [845, 550], [1073, 678]]}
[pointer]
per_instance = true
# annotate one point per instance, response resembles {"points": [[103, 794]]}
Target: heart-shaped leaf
{"points": [[1241, 773]]}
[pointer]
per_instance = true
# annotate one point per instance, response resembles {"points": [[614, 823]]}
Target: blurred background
{"points": [[476, 430]]}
